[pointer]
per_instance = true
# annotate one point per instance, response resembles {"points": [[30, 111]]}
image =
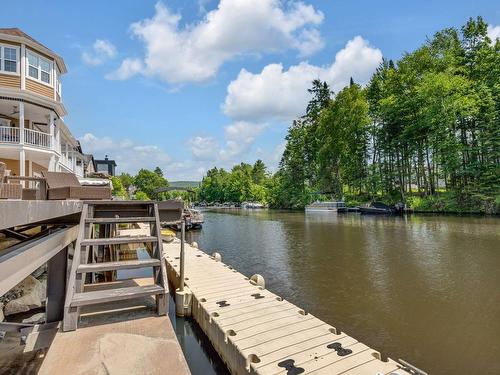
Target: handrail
{"points": [[32, 137], [9, 134], [37, 138]]}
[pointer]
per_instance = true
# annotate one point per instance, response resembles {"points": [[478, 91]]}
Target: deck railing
{"points": [[37, 138], [31, 137], [67, 162], [9, 134]]}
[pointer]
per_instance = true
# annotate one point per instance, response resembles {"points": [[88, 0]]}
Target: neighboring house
{"points": [[88, 164], [105, 166], [33, 135]]}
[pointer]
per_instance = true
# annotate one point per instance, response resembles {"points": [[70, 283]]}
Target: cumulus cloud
{"points": [[493, 32], [279, 94], [239, 138], [101, 51], [144, 156], [127, 69], [194, 52]]}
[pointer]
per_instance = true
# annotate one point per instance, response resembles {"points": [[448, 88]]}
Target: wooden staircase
{"points": [[87, 258]]}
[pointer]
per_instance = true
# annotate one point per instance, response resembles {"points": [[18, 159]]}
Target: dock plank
{"points": [[255, 330]]}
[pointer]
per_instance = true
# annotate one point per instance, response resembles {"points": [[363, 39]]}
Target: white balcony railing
{"points": [[79, 171], [36, 138], [31, 137], [67, 162], [9, 134]]}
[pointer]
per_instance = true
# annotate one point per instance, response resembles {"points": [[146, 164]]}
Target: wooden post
{"points": [[56, 286], [183, 238]]}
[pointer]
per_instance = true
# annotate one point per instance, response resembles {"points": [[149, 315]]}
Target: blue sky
{"points": [[189, 84]]}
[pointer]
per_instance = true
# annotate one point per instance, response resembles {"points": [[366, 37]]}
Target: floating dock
{"points": [[258, 332]]}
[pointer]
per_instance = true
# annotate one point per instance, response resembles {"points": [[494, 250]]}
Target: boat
{"points": [[328, 206], [167, 235], [252, 205], [379, 208], [193, 219]]}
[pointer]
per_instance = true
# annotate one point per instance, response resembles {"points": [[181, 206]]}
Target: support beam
{"points": [[21, 261], [56, 286]]}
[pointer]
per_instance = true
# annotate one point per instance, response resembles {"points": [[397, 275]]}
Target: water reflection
{"points": [[423, 288]]}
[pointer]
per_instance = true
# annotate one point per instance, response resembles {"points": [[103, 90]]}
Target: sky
{"points": [[187, 85]]}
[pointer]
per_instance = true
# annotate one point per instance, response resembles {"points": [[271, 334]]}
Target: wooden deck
{"points": [[257, 332]]}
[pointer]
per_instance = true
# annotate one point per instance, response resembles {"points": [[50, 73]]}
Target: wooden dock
{"points": [[257, 332]]}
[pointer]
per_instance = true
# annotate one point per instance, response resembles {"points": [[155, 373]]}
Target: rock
{"points": [[2, 317], [35, 319], [32, 294]]}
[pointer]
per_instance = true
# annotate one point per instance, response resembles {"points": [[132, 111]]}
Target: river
{"points": [[422, 288]]}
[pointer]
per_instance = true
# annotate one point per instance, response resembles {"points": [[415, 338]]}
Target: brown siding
{"points": [[39, 88], [13, 166], [7, 80]]}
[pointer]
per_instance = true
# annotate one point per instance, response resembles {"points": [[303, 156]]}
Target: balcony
{"points": [[31, 137]]}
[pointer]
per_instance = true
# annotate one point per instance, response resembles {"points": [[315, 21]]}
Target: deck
{"points": [[118, 339], [18, 212], [257, 332]]}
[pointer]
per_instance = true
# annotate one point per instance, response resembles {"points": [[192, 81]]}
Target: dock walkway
{"points": [[257, 332]]}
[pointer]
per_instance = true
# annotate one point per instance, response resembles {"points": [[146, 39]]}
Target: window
{"points": [[33, 65], [9, 59], [39, 68], [58, 81]]}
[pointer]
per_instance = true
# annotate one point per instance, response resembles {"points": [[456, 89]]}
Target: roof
{"points": [[18, 33], [108, 161]]}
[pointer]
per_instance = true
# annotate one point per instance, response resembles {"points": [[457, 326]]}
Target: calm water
{"points": [[422, 288]]}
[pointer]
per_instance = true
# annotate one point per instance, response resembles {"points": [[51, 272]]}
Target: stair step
{"points": [[121, 265], [118, 240], [113, 220], [117, 294]]}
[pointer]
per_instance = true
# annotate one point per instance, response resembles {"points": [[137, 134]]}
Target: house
{"points": [[106, 166], [33, 134]]}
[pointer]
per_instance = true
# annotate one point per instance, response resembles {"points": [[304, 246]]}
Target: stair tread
{"points": [[117, 294], [112, 220], [118, 240], [120, 265]]}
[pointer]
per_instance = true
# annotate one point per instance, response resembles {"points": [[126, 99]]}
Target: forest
{"points": [[424, 131]]}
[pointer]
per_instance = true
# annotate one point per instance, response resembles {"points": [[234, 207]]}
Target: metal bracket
{"points": [[410, 368]]}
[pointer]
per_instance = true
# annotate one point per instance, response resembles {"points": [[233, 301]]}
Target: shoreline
{"points": [[409, 212]]}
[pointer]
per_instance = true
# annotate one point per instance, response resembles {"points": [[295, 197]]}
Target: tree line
{"points": [[425, 130]]}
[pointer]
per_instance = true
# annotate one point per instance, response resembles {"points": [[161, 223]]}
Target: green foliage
{"points": [[147, 181], [244, 183], [126, 179], [118, 189], [425, 130], [141, 196]]}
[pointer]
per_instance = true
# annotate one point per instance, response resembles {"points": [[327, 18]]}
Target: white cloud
{"points": [[102, 50], [194, 52], [278, 94], [239, 138], [127, 69], [144, 156], [493, 32]]}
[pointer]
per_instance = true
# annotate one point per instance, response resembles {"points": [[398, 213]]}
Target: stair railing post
{"points": [[183, 237]]}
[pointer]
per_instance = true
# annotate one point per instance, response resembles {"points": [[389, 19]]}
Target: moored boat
{"points": [[325, 206]]}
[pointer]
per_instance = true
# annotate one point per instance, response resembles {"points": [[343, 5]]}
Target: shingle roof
{"points": [[14, 31]]}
